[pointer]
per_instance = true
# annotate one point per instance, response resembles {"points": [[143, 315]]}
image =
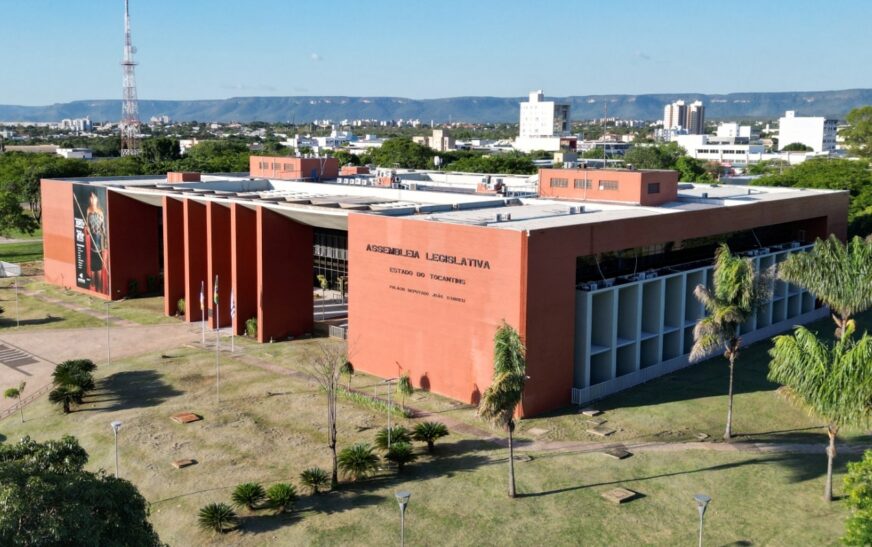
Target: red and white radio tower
{"points": [[130, 108]]}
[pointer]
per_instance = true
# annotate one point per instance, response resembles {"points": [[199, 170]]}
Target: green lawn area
{"points": [[28, 251], [37, 314], [270, 427]]}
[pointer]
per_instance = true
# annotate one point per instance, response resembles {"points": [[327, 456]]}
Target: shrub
{"points": [[180, 306], [858, 491], [357, 461], [315, 479], [347, 369], [72, 380], [281, 497], [401, 454], [399, 434], [428, 432], [374, 403], [218, 517], [251, 327], [248, 494]]}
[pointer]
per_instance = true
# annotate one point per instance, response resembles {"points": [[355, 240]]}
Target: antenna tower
{"points": [[130, 108]]}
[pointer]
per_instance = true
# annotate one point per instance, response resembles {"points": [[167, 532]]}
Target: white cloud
{"points": [[315, 57]]}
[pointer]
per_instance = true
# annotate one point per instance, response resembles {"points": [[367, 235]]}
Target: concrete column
{"points": [[243, 263], [195, 257], [284, 276], [174, 254], [218, 262]]}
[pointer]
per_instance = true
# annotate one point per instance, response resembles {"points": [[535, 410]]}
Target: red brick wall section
{"points": [[134, 243], [293, 168], [218, 262], [284, 276], [243, 260], [404, 320], [183, 176], [195, 257], [174, 254], [632, 186], [59, 250]]}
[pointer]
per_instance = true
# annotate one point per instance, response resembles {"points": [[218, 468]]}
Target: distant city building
{"points": [[80, 125], [733, 130], [544, 125], [74, 153], [818, 133], [160, 120], [440, 141], [680, 115], [724, 150]]}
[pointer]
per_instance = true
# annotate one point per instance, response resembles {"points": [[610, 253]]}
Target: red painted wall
{"points": [[134, 246], [195, 257], [284, 276], [444, 345], [174, 254], [632, 185], [59, 250], [218, 262], [293, 168], [243, 261]]}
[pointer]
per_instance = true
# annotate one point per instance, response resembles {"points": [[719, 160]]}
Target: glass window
{"points": [[653, 187], [608, 185]]}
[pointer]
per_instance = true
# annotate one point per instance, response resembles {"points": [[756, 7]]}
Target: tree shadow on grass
{"points": [[131, 389], [7, 322]]}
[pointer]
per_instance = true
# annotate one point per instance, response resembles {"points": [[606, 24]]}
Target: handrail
{"points": [[24, 402]]}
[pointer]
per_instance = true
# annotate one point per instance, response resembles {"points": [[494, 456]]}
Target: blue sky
{"points": [[61, 50]]}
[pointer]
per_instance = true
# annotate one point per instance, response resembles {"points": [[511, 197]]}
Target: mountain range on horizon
{"points": [[303, 109]]}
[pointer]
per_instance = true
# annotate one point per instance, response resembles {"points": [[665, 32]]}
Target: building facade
{"points": [[544, 125], [818, 133]]}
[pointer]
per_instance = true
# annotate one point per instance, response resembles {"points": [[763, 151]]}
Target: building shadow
{"points": [[131, 389]]}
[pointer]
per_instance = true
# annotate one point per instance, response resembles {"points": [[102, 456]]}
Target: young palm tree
{"points": [[499, 401], [428, 432], [401, 454], [348, 370], [281, 497], [737, 291], [832, 382], [399, 434], [315, 479], [404, 389], [16, 393], [357, 461], [217, 517], [839, 275], [248, 495], [66, 395]]}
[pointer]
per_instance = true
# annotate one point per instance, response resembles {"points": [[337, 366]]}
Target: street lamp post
{"points": [[403, 499], [116, 425], [702, 502]]}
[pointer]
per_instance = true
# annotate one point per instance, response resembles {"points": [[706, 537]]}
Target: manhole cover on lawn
{"points": [[617, 452], [601, 431], [619, 495], [186, 418], [181, 464]]}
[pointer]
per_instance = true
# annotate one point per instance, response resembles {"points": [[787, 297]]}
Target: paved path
{"points": [[116, 321]]}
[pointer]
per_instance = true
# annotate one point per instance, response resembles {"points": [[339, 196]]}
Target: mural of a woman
{"points": [[98, 255]]}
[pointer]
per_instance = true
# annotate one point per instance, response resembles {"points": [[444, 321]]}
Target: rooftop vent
{"points": [[705, 195], [576, 209]]}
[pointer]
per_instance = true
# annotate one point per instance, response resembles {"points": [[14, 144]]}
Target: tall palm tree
{"points": [[16, 393], [499, 401], [838, 274], [737, 291], [832, 382]]}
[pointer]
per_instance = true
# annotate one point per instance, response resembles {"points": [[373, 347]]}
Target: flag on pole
{"points": [[232, 305], [202, 295], [215, 292]]}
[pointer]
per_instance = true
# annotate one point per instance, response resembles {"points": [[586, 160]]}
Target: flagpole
{"points": [[17, 314], [203, 312], [217, 342], [232, 319]]}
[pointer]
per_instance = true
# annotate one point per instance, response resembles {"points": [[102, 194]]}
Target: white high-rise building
{"points": [[816, 132], [543, 124], [695, 121], [680, 115], [674, 115]]}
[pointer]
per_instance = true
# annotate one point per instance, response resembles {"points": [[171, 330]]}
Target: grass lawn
{"points": [[28, 251], [37, 314], [270, 427]]}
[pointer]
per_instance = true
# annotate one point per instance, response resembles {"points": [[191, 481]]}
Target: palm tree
{"points": [[348, 370], [16, 393], [737, 291], [248, 495], [75, 373], [281, 497], [66, 395], [357, 461], [839, 275], [428, 432], [404, 389], [314, 479], [218, 517], [401, 454], [832, 382], [499, 401], [398, 434]]}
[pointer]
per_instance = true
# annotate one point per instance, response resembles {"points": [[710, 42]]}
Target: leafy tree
{"points": [[501, 398], [47, 498], [796, 147], [401, 454], [404, 389], [737, 292], [160, 149], [346, 158], [831, 382], [16, 393], [225, 156], [838, 274], [217, 517], [429, 432], [510, 163], [348, 370], [668, 156], [358, 461], [398, 434], [21, 174], [13, 217], [323, 366], [402, 152], [858, 134], [858, 491], [281, 497], [315, 479], [248, 495]]}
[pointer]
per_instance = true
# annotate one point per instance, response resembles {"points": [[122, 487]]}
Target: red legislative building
{"points": [[595, 268]]}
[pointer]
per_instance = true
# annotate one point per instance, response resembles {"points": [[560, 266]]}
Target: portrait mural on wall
{"points": [[91, 225]]}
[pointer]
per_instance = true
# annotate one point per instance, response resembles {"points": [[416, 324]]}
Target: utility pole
{"points": [[130, 108]]}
